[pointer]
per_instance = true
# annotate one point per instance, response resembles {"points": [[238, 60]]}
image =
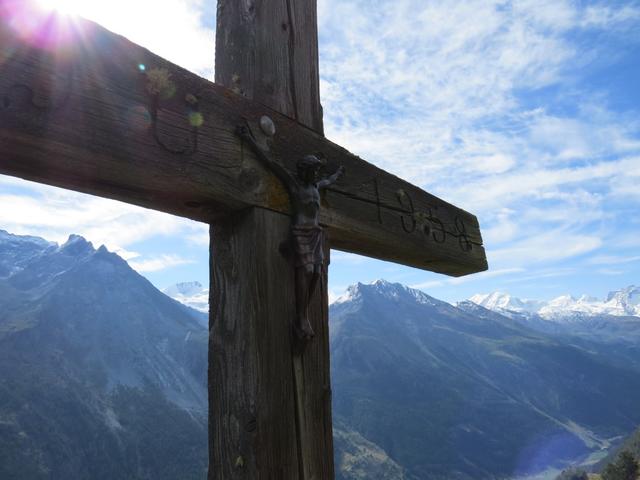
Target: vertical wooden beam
{"points": [[268, 51], [251, 396], [312, 384], [269, 405]]}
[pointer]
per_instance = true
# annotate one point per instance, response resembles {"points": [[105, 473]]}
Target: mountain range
{"points": [[103, 376], [624, 302], [469, 393], [619, 303]]}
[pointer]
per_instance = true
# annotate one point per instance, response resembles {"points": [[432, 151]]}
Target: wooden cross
{"points": [[87, 110]]}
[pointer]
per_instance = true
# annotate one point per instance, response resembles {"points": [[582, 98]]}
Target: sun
{"points": [[69, 7]]}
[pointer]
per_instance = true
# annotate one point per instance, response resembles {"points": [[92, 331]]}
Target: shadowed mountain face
{"points": [[102, 377], [452, 392]]}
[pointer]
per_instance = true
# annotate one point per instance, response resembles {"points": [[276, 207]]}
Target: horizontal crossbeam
{"points": [[91, 111]]}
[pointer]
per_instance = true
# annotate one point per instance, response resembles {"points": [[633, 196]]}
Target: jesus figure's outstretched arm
{"points": [[331, 179], [279, 171]]}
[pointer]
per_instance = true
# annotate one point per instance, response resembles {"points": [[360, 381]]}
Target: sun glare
{"points": [[70, 7]]}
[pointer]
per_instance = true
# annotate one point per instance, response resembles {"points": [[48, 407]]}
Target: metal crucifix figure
{"points": [[307, 235]]}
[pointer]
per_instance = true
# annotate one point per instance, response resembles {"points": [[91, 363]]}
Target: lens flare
{"points": [[196, 119], [42, 28], [69, 7], [548, 449], [139, 118]]}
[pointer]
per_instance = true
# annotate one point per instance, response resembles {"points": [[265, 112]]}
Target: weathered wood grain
{"points": [[287, 370], [269, 403], [252, 411], [312, 379], [88, 120], [271, 55]]}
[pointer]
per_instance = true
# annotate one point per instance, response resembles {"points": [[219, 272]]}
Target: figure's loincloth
{"points": [[308, 244]]}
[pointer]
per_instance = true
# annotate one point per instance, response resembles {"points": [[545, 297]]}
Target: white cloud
{"points": [[158, 263], [200, 236], [467, 279], [610, 271], [613, 259], [499, 272], [534, 183], [552, 246], [543, 273], [428, 92], [126, 254], [430, 284], [54, 213], [602, 16], [173, 29], [504, 227]]}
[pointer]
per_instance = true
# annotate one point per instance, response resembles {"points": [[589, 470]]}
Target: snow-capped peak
{"points": [[499, 301], [619, 303], [563, 301], [631, 290], [385, 289], [347, 296], [587, 299], [17, 251], [626, 299], [6, 237]]}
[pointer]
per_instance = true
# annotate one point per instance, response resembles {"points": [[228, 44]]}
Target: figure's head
{"points": [[309, 167]]}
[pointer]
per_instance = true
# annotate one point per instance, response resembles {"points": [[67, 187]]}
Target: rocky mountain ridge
{"points": [[101, 375]]}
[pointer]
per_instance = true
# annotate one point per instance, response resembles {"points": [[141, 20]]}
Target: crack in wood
{"points": [[292, 61]]}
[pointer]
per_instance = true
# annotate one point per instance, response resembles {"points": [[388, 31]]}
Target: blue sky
{"points": [[525, 113]]}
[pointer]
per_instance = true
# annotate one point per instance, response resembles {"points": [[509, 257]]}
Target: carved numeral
{"points": [[425, 222], [429, 224], [463, 238], [438, 233], [407, 204], [376, 193]]}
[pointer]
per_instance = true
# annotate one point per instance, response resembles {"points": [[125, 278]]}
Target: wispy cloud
{"points": [[478, 277], [613, 259], [552, 246], [158, 263], [55, 213], [508, 117], [490, 115], [542, 274], [610, 271]]}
